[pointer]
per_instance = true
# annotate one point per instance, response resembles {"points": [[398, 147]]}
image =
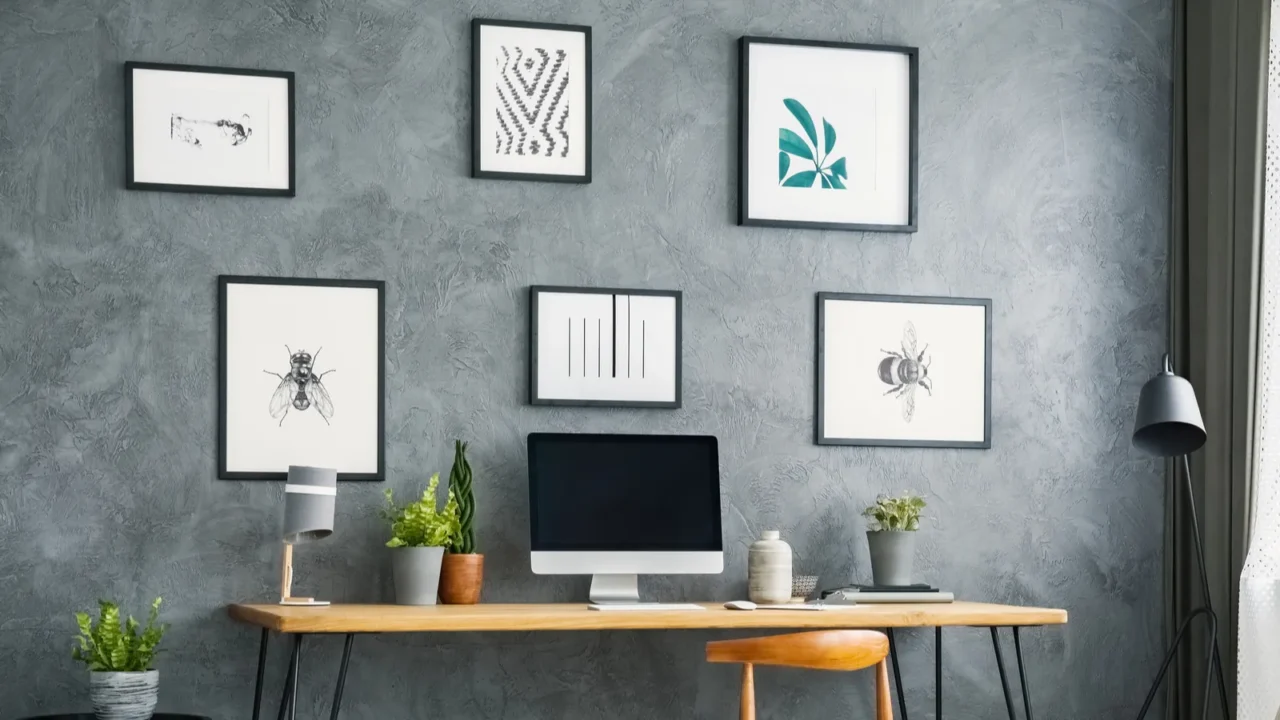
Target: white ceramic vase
{"points": [[769, 570], [124, 695]]}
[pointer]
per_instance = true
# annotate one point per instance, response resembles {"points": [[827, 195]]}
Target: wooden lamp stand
{"points": [[286, 582]]}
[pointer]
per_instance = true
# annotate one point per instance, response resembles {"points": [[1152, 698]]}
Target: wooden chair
{"points": [[825, 650]]}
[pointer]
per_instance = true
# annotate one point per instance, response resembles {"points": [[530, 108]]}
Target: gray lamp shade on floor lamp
{"points": [[1168, 422], [309, 497]]}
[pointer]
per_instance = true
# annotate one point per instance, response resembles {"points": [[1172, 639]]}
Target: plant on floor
{"points": [[110, 647], [460, 488], [895, 513], [422, 523]]}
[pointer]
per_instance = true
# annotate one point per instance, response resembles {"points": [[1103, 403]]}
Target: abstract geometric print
{"points": [[534, 114]]}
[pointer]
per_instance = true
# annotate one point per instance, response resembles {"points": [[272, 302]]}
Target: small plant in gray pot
{"points": [[891, 537], [420, 532], [122, 683]]}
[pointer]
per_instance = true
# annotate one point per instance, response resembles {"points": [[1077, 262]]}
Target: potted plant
{"points": [[420, 532], [463, 571], [891, 537], [122, 683]]}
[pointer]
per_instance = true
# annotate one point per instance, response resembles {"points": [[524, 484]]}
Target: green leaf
{"points": [[784, 164], [806, 121], [835, 181], [794, 144], [828, 136], [801, 179], [825, 182], [838, 169]]}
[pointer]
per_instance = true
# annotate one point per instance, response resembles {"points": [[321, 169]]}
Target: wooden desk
{"points": [[351, 620]]}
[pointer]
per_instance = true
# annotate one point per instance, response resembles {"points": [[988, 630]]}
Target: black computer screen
{"points": [[624, 492]]}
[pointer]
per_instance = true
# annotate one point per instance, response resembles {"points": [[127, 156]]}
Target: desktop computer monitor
{"points": [[617, 506]]}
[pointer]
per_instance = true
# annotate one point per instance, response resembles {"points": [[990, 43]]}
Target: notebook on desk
{"points": [[870, 594]]}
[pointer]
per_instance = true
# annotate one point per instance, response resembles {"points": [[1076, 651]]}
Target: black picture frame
{"points": [[226, 280], [744, 98], [536, 399], [131, 184], [477, 24], [820, 437]]}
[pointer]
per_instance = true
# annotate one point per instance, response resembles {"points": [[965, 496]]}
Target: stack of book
{"points": [[854, 594]]}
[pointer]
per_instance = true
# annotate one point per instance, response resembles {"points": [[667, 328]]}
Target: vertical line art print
{"points": [[639, 345]]}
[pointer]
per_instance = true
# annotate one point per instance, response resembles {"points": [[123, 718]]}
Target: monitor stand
{"points": [[615, 589], [622, 592]]}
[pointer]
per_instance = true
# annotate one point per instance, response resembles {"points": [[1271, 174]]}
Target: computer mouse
{"points": [[740, 605]]}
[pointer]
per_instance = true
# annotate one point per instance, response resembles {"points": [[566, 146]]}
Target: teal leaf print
{"points": [[790, 142], [837, 168], [806, 121], [801, 179]]}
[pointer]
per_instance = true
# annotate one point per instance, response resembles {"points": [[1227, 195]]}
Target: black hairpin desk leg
{"points": [[262, 666], [1004, 677], [342, 677], [897, 674], [937, 672]]}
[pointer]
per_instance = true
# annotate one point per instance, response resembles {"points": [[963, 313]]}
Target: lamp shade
{"points": [[309, 496], [1169, 421]]}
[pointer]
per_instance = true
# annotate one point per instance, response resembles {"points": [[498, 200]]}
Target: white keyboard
{"points": [[628, 607]]}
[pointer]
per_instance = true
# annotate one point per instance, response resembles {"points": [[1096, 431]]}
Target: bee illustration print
{"points": [[906, 371], [301, 388]]}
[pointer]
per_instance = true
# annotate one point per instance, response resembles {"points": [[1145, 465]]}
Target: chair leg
{"points": [[748, 711], [884, 705]]}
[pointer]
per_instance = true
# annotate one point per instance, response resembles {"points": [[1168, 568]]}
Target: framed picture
{"points": [[190, 128], [828, 135], [903, 371], [300, 377], [530, 101], [604, 347]]}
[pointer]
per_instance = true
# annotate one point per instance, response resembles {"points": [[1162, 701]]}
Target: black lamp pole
{"points": [[1169, 425]]}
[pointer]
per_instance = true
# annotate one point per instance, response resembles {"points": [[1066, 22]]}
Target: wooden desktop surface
{"points": [[570, 616]]}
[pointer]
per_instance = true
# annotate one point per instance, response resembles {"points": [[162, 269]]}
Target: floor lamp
{"points": [[1169, 425]]}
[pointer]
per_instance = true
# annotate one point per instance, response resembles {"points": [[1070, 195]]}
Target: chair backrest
{"points": [[823, 650]]}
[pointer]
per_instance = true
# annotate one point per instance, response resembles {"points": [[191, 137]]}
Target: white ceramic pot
{"points": [[124, 695], [416, 571], [769, 570]]}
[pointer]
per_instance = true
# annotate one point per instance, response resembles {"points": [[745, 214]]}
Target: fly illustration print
{"points": [[905, 371], [301, 388]]}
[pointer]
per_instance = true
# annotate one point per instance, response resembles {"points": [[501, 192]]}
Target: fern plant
{"points": [[895, 513], [422, 523], [460, 488], [108, 647]]}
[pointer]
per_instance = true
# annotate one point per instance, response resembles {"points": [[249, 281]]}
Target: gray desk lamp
{"points": [[1169, 425], [309, 496]]}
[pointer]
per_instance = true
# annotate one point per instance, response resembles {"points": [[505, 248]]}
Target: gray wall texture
{"points": [[1044, 146]]}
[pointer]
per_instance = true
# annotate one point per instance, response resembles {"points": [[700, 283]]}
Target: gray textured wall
{"points": [[1044, 151]]}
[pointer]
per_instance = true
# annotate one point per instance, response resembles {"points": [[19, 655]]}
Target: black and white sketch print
{"points": [[533, 114], [531, 101], [605, 347], [203, 129], [282, 403], [301, 388], [903, 371]]}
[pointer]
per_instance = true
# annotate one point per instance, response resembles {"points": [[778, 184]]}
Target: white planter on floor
{"points": [[124, 695]]}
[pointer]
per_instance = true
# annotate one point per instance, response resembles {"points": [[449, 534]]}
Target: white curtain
{"points": [[1259, 662]]}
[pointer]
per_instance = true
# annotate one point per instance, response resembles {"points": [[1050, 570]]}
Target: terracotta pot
{"points": [[460, 578]]}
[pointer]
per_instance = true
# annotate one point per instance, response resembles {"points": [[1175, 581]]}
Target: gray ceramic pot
{"points": [[124, 695], [416, 571], [892, 554]]}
